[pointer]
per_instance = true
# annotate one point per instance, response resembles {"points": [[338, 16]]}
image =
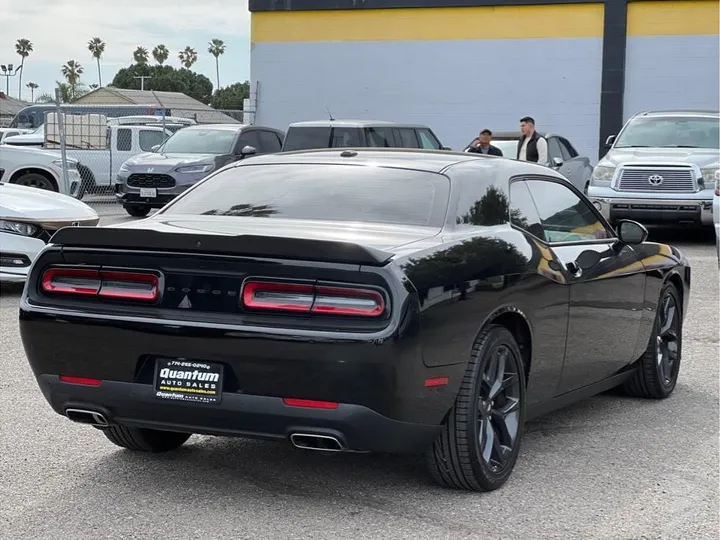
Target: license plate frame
{"points": [[194, 381], [148, 193]]}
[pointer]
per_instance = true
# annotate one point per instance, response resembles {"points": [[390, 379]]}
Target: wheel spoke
{"points": [[505, 419], [499, 374], [488, 442]]}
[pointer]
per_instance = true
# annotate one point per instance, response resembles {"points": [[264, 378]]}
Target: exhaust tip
{"points": [[312, 441], [83, 416]]}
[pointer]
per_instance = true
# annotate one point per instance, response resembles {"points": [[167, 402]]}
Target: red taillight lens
{"points": [[102, 284], [80, 380], [310, 403], [293, 297]]}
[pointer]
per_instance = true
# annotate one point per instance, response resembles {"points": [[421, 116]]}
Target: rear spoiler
{"points": [[243, 245]]}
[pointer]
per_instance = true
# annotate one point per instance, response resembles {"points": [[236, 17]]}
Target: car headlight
{"points": [[124, 168], [602, 173], [70, 164], [18, 227], [194, 169], [710, 175]]}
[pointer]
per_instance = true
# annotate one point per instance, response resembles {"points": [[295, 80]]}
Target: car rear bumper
{"points": [[676, 210], [358, 428]]}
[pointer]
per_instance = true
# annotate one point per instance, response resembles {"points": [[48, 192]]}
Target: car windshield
{"points": [[200, 141], [671, 132], [321, 192]]}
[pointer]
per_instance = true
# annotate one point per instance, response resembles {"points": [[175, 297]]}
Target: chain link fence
{"points": [[101, 142]]}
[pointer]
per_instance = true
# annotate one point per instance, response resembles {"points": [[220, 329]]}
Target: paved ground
{"points": [[611, 467]]}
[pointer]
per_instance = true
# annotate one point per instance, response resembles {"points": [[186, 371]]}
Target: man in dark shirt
{"points": [[482, 145]]}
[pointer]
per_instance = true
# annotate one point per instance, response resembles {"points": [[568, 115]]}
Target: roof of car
{"points": [[681, 112], [353, 123], [224, 127], [402, 158]]}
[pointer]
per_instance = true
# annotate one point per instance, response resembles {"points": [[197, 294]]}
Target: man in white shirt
{"points": [[531, 146]]}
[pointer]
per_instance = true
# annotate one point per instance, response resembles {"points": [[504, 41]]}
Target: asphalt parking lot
{"points": [[611, 467]]}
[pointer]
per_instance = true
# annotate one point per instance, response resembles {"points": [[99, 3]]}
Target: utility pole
{"points": [[142, 80]]}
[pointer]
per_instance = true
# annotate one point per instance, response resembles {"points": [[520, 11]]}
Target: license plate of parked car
{"points": [[188, 380], [148, 192]]}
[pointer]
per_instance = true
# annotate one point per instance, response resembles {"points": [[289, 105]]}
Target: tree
{"points": [[161, 54], [217, 48], [141, 55], [68, 94], [32, 86], [23, 47], [231, 97], [188, 57], [72, 71], [166, 79], [96, 46]]}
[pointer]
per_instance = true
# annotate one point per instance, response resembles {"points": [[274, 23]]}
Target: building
{"points": [[180, 104], [9, 107], [579, 67]]}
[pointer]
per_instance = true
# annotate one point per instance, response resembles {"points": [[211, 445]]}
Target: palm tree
{"points": [[217, 47], [32, 86], [23, 47], [72, 71], [67, 94], [141, 55], [188, 57], [161, 54], [96, 46]]}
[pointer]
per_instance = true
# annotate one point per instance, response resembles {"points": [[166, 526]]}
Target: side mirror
{"points": [[248, 151], [155, 148], [557, 162], [609, 141], [631, 232], [445, 148]]}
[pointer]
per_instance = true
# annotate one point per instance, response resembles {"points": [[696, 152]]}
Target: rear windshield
{"points": [[308, 138], [321, 192]]}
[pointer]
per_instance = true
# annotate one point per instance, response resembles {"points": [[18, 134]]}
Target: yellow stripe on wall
{"points": [[428, 24], [694, 17]]}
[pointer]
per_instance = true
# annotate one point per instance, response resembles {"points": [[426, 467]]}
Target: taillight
{"points": [[293, 297], [102, 284]]}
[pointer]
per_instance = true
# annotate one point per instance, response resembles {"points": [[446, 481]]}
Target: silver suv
{"points": [[660, 169]]}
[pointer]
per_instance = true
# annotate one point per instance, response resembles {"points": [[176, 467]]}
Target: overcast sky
{"points": [[60, 30]]}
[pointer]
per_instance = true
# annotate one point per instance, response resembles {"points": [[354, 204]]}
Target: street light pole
{"points": [[7, 72]]}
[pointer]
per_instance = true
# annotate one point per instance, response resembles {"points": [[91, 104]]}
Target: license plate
{"points": [[188, 380], [148, 192]]}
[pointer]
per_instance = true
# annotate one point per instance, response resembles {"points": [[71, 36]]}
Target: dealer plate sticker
{"points": [[185, 380]]}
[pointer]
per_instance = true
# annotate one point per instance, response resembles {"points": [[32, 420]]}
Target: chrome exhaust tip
{"points": [[312, 441], [83, 416]]}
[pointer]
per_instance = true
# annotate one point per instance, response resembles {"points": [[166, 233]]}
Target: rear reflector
{"points": [[102, 284], [80, 380], [310, 403], [437, 381], [293, 297]]}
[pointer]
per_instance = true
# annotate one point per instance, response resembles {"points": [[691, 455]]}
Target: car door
{"points": [[428, 139], [406, 138], [606, 280], [581, 167], [248, 137], [269, 141], [555, 156]]}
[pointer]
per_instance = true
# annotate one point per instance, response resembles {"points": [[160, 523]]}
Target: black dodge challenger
{"points": [[360, 301]]}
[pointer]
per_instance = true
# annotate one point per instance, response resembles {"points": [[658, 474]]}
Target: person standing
{"points": [[531, 146], [482, 145]]}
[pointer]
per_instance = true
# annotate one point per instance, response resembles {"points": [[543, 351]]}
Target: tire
{"points": [[145, 440], [36, 180], [455, 459], [137, 210], [656, 376]]}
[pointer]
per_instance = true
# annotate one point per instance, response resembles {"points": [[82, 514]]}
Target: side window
{"points": [[554, 148], [345, 138], [379, 137], [149, 138], [565, 217], [523, 213], [482, 203], [248, 138], [124, 140], [427, 139], [407, 138], [269, 141], [568, 152]]}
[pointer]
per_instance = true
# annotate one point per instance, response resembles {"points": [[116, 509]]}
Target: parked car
{"points": [[561, 153], [151, 180], [28, 218], [358, 134], [26, 137], [716, 213], [39, 168], [12, 132], [660, 169], [402, 301]]}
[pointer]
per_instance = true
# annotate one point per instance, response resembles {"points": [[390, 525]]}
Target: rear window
{"points": [[308, 138], [321, 192]]}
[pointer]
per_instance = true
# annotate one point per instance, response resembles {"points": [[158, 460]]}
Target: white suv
{"points": [[39, 168]]}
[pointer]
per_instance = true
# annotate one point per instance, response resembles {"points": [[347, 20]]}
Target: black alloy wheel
{"points": [[480, 442], [35, 180], [657, 371]]}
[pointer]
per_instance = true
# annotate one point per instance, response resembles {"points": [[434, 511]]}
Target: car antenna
{"points": [[329, 114]]}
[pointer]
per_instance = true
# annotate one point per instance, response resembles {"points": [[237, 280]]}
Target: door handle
{"points": [[574, 269]]}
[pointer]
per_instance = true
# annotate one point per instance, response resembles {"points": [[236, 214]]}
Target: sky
{"points": [[60, 30]]}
